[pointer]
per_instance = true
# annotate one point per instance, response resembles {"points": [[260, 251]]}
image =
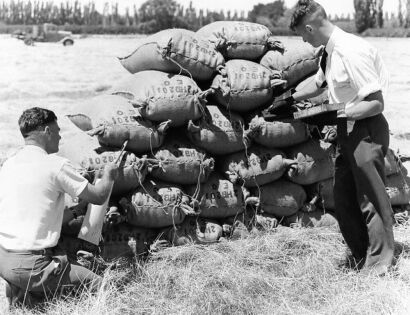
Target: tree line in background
{"points": [[155, 15], [369, 14]]}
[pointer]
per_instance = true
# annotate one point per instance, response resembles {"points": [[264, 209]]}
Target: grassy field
{"points": [[286, 271]]}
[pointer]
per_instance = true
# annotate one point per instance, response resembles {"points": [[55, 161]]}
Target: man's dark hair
{"points": [[303, 9], [34, 118]]}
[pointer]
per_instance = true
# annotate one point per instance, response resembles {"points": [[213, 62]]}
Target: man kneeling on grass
{"points": [[32, 187]]}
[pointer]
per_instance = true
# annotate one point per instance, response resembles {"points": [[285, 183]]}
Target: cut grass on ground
{"points": [[289, 271]]}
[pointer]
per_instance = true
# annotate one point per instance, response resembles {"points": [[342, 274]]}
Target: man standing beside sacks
{"points": [[32, 187], [356, 76]]}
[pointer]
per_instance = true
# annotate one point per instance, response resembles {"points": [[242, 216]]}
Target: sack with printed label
{"points": [[398, 189], [89, 159], [175, 51], [155, 205], [315, 162], [194, 230], [296, 63], [217, 197], [124, 240], [280, 198], [159, 96], [219, 132], [254, 167], [240, 39], [278, 134], [243, 85], [179, 161], [317, 218], [114, 120]]}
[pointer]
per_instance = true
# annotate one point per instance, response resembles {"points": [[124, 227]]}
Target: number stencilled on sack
{"points": [[221, 122], [222, 191], [204, 48], [251, 74], [248, 28], [100, 161], [163, 195], [123, 118], [175, 86]]}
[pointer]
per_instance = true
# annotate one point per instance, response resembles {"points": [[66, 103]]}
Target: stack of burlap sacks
{"points": [[201, 162]]}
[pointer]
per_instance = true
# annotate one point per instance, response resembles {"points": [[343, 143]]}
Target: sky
{"points": [[331, 6]]}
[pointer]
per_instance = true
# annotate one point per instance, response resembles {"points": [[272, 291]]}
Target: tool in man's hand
{"points": [[94, 218], [121, 152]]}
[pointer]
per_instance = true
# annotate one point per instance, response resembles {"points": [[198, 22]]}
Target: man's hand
{"points": [[287, 102], [111, 171]]}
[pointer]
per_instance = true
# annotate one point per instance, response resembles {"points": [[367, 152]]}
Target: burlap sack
{"points": [[114, 120], [321, 194], [296, 63], [89, 159], [175, 51], [194, 230], [217, 197], [243, 85], [254, 167], [220, 132], [280, 198], [159, 96], [240, 39], [125, 240], [156, 205], [315, 219], [315, 162], [392, 164], [179, 161], [398, 189], [72, 227], [277, 134]]}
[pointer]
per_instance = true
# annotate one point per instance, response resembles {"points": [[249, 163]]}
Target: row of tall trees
{"points": [[153, 15], [369, 14]]}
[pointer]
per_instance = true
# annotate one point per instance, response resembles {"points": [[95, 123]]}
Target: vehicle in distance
{"points": [[45, 33]]}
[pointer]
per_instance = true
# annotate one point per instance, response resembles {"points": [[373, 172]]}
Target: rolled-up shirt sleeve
{"points": [[366, 73], [70, 181]]}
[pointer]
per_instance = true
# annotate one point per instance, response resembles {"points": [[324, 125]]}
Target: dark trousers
{"points": [[362, 205], [34, 277]]}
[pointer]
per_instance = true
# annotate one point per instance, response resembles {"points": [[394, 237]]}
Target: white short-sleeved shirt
{"points": [[32, 188], [354, 69]]}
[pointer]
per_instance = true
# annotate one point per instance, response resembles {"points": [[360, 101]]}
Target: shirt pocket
{"points": [[338, 74]]}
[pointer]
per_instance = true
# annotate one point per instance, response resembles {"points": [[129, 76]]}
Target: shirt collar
{"points": [[35, 148], [332, 40]]}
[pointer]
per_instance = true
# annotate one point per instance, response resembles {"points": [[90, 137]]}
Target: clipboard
{"points": [[317, 110]]}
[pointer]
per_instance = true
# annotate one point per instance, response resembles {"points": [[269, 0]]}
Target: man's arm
{"points": [[371, 105], [97, 194], [309, 90]]}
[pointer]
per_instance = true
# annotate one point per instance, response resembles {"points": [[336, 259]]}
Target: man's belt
{"points": [[45, 251]]}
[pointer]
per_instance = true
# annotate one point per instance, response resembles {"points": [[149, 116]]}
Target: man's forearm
{"points": [[99, 192], [308, 91], [372, 105], [363, 110]]}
